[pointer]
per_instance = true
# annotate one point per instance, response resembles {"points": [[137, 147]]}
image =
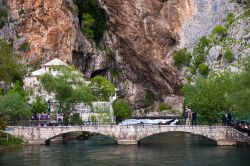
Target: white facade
{"points": [[32, 83]]}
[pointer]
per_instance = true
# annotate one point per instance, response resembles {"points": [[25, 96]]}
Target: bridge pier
{"points": [[226, 142], [127, 142]]}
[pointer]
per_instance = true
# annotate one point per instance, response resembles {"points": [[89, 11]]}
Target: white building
{"points": [[32, 84]]}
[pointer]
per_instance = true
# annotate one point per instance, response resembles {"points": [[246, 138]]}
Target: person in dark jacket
{"points": [[194, 116], [229, 118]]}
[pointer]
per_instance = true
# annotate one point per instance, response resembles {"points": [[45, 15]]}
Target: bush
{"points": [[3, 17], [122, 110], [165, 106], [220, 31], [182, 57], [228, 55], [91, 7], [24, 47], [230, 19], [199, 59], [102, 88], [75, 10], [203, 43], [87, 26], [3, 13], [203, 69]]}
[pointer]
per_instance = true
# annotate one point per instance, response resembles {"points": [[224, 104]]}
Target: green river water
{"points": [[167, 149]]}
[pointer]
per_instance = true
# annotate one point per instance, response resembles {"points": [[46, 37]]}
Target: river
{"points": [[166, 149]]}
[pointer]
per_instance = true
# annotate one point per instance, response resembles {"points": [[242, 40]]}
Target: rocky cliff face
{"points": [[50, 30], [142, 34]]}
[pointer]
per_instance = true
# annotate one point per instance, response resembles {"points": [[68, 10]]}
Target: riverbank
{"points": [[8, 142]]}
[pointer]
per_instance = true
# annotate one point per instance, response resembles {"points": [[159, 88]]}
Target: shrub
{"points": [[91, 7], [88, 24], [220, 31], [230, 19], [148, 100], [199, 59], [75, 10], [144, 15], [182, 57], [122, 110], [3, 13], [228, 55], [165, 106], [24, 47], [203, 69], [203, 43], [21, 12], [3, 17]]}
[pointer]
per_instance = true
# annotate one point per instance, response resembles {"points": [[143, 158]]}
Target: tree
{"points": [[39, 106], [14, 105], [122, 110], [68, 88], [3, 121], [10, 69], [102, 88], [240, 95], [209, 96]]}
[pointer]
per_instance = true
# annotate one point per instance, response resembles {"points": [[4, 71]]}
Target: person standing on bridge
{"points": [[189, 117], [185, 115], [229, 118], [194, 116]]}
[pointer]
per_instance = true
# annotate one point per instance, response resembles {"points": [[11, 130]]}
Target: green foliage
{"points": [[93, 118], [230, 19], [241, 92], [182, 57], [228, 55], [122, 110], [39, 106], [88, 24], [102, 88], [204, 43], [7, 140], [165, 106], [144, 15], [148, 100], [75, 10], [21, 12], [199, 60], [69, 89], [3, 16], [75, 119], [209, 96], [91, 7], [24, 47], [203, 69], [14, 105], [220, 31], [3, 121], [10, 70], [3, 12]]}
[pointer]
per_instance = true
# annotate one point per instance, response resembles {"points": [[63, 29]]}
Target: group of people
{"points": [[242, 127], [189, 117], [226, 119]]}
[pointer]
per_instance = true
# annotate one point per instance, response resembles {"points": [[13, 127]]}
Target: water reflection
{"points": [[163, 149]]}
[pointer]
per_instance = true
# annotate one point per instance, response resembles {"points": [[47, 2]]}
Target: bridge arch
{"points": [[189, 132], [47, 141]]}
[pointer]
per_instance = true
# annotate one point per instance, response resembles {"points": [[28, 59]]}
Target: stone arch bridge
{"points": [[125, 135]]}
